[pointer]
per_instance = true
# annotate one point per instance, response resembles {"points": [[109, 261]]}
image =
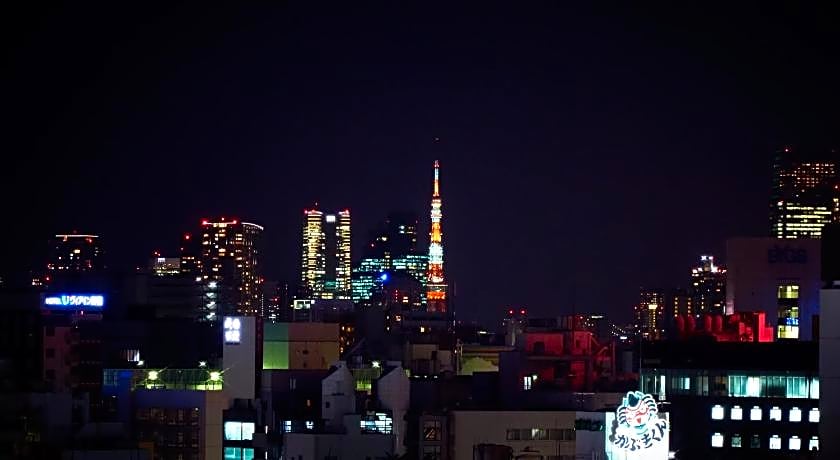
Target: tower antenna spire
{"points": [[436, 287]]}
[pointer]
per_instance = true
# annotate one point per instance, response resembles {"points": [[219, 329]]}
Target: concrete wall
{"points": [[394, 392], [239, 361], [756, 266], [60, 343], [829, 373], [471, 428], [338, 396], [306, 446], [301, 345]]}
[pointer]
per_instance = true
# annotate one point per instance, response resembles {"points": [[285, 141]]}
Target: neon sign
{"points": [[96, 301], [638, 425], [233, 330]]}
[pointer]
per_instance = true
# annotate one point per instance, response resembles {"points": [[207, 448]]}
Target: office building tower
{"points": [[649, 314], [276, 301], [74, 253], [680, 302], [325, 258], [804, 195], [708, 287], [190, 255], [436, 287], [231, 268], [390, 251], [394, 238]]}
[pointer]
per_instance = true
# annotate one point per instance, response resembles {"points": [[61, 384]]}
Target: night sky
{"points": [[584, 152]]}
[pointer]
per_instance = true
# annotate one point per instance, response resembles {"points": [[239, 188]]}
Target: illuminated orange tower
{"points": [[436, 286]]}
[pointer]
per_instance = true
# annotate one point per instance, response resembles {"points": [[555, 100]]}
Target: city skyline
{"points": [[607, 162], [501, 230]]}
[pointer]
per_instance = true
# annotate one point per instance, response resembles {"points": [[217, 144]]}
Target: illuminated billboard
{"points": [[233, 330], [74, 301], [637, 430]]}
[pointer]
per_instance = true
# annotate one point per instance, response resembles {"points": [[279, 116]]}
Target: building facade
{"points": [[737, 400], [804, 193], [231, 267], [649, 314], [708, 287], [74, 253], [325, 257], [781, 278], [391, 251]]}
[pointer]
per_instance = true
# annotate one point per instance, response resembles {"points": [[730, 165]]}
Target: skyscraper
{"points": [[394, 238], [804, 195], [325, 256], [436, 286], [190, 256], [230, 264], [391, 250], [708, 287], [74, 253], [648, 314]]}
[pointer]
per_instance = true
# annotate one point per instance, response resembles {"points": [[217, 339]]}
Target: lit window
{"points": [[310, 425], [233, 431], [753, 387], [795, 415], [814, 415], [776, 414], [755, 413], [775, 442], [248, 430], [736, 440], [717, 440], [717, 412], [794, 443], [526, 382], [815, 388], [814, 443], [737, 413]]}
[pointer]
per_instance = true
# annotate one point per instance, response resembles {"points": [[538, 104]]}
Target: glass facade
{"points": [[708, 383]]}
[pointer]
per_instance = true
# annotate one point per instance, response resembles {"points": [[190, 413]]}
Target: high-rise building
{"points": [[680, 302], [74, 253], [325, 257], [230, 262], [190, 255], [708, 287], [648, 314], [804, 195], [436, 287], [394, 238], [391, 250]]}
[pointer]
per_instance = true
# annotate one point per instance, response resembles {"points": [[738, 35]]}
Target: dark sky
{"points": [[584, 152]]}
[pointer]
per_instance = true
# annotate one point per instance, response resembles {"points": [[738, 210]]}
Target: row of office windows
{"points": [[774, 442], [540, 434], [756, 413], [699, 383]]}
